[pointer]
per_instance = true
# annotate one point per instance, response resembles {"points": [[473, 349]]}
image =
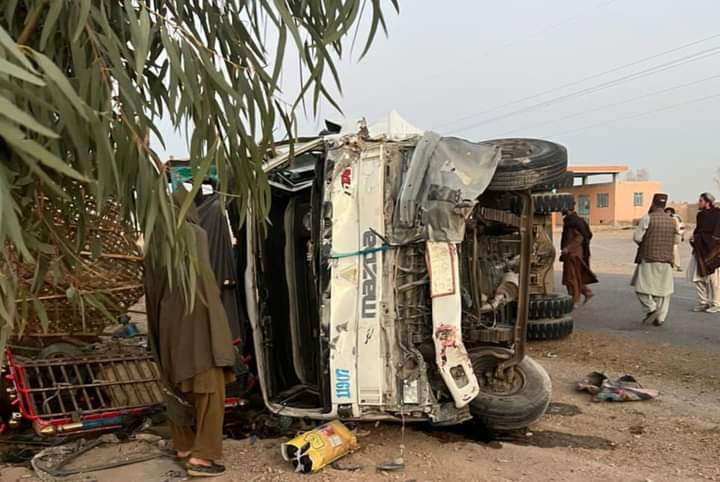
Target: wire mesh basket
{"points": [[84, 294]]}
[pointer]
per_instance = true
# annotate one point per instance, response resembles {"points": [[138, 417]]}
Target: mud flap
{"points": [[450, 354]]}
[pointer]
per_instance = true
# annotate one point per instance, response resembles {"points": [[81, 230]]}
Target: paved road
{"points": [[615, 309]]}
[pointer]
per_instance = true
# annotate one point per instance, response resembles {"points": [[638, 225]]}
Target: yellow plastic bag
{"points": [[313, 450]]}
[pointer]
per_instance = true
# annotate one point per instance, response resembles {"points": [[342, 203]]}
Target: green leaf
{"points": [[197, 182], [16, 138], [41, 314], [376, 21], [56, 75], [10, 227], [279, 55], [142, 44], [83, 18], [43, 178], [19, 73], [9, 44], [50, 20], [98, 301], [41, 268], [9, 110]]}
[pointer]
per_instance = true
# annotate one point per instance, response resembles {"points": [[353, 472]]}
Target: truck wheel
{"points": [[563, 182], [547, 203], [549, 306], [526, 163], [509, 406], [550, 328]]}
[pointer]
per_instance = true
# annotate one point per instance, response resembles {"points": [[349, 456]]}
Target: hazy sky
{"points": [[481, 69]]}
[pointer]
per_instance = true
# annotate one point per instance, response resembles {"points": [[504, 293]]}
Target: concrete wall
{"points": [[620, 208], [625, 212], [597, 215]]}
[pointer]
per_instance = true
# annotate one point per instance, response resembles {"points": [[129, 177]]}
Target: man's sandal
{"points": [[197, 470]]}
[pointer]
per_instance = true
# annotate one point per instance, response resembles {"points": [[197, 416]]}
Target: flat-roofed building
{"points": [[602, 198]]}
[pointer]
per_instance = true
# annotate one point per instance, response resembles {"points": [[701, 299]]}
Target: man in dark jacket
{"points": [[571, 220], [193, 348], [213, 219], [653, 277], [705, 261], [575, 256]]}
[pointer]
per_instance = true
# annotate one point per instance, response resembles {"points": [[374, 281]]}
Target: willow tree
{"points": [[83, 85]]}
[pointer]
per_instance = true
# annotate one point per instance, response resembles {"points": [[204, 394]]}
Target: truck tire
{"points": [[509, 408], [547, 203], [527, 163], [549, 306], [550, 328], [563, 182]]}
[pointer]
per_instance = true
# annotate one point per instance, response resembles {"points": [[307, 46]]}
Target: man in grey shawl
{"points": [[653, 277]]}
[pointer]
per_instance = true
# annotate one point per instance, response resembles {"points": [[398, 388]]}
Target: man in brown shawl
{"points": [[653, 276], [705, 241], [575, 255], [194, 350]]}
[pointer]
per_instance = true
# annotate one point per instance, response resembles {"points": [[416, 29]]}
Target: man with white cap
{"points": [[703, 269], [653, 277]]}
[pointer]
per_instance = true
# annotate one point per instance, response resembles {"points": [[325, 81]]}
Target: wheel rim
{"points": [[484, 368]]}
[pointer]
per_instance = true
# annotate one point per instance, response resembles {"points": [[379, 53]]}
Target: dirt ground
{"points": [[673, 438], [676, 437]]}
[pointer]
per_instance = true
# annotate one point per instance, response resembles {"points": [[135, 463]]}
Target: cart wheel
{"points": [[60, 350]]}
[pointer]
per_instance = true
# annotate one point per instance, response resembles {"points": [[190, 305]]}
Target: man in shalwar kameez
{"points": [[704, 269], [653, 277]]}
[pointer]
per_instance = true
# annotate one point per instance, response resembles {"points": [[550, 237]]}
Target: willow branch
{"points": [[31, 22]]}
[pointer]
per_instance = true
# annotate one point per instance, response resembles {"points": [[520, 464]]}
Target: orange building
{"points": [[610, 201]]}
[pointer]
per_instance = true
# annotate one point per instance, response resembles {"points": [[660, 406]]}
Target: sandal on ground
{"points": [[197, 470]]}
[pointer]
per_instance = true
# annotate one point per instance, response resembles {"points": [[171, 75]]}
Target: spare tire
{"points": [[550, 328], [500, 406], [526, 163]]}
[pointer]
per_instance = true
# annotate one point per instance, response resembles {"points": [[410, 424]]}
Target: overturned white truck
{"points": [[391, 282]]}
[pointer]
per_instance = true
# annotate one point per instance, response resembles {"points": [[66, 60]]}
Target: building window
{"points": [[638, 199], [603, 200]]}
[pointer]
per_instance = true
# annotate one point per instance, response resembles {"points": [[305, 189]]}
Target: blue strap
{"points": [[362, 252]]}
